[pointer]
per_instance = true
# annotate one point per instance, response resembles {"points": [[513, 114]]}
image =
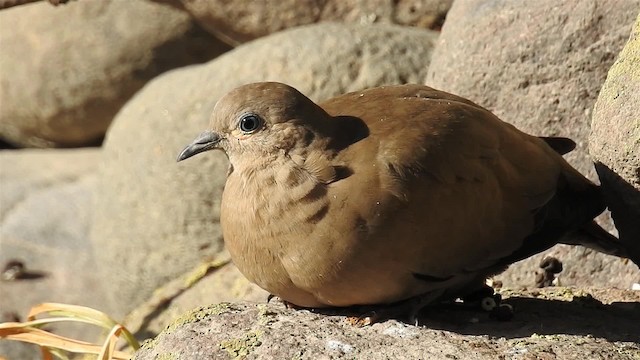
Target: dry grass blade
{"points": [[55, 345], [17, 331], [109, 346], [73, 311], [86, 314]]}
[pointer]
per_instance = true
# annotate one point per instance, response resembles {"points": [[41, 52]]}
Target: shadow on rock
{"points": [[584, 315], [623, 199]]}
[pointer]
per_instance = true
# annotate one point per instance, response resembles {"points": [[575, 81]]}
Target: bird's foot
{"points": [[286, 304], [404, 310], [487, 300], [365, 319], [484, 298]]}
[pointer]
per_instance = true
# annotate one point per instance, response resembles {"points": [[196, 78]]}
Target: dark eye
{"points": [[250, 123]]}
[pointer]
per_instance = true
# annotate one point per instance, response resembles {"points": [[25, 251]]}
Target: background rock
{"points": [[45, 215], [558, 324], [65, 71], [615, 140], [539, 66], [155, 219], [209, 283], [581, 267], [240, 21]]}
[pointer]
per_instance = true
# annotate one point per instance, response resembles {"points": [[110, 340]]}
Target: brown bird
{"points": [[387, 194]]}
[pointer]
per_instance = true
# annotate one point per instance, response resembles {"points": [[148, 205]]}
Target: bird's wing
{"points": [[467, 185]]}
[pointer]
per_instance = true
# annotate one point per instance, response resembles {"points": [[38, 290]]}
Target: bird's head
{"points": [[260, 119]]}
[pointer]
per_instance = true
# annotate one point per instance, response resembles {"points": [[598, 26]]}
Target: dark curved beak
{"points": [[208, 140]]}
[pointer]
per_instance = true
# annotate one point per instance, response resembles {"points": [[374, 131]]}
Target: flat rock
{"points": [[563, 323], [540, 66], [65, 71], [155, 219], [615, 140]]}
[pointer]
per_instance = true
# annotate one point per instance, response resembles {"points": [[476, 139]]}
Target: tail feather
{"points": [[567, 212], [565, 218], [561, 145], [593, 236]]}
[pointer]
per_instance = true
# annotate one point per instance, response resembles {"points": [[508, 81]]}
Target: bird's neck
{"points": [[277, 174]]}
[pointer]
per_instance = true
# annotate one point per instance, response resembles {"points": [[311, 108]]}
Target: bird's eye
{"points": [[250, 123]]}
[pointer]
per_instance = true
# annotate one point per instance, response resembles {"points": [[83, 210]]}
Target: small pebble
{"points": [[13, 270]]}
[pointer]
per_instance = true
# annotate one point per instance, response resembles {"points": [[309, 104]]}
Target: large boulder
{"points": [[615, 140], [45, 252], [539, 65], [240, 21], [65, 71], [558, 324], [155, 219]]}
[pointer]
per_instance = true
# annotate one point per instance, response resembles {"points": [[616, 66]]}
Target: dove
{"points": [[388, 194]]}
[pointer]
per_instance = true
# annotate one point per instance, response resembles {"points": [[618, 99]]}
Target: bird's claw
{"points": [[286, 304], [363, 320]]}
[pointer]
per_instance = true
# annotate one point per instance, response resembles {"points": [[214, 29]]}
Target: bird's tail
{"points": [[591, 200], [593, 236]]}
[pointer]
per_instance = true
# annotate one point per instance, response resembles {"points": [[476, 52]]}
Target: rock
{"points": [[155, 219], [576, 325], [209, 283], [539, 66], [240, 21], [581, 267], [45, 214], [65, 71], [615, 140]]}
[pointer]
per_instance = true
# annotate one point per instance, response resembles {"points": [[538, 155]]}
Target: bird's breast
{"points": [[275, 224]]}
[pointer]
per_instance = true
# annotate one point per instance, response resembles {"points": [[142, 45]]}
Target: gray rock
{"points": [[240, 21], [208, 283], [45, 215], [575, 326], [65, 71], [615, 140], [581, 267], [539, 65], [155, 219]]}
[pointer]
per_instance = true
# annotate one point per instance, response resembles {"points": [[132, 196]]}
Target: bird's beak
{"points": [[208, 140]]}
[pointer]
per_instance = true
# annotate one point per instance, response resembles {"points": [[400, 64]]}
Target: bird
{"points": [[387, 195]]}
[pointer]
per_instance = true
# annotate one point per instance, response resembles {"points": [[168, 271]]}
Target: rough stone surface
{"points": [[554, 324], [615, 140], [209, 283], [65, 71], [45, 214], [581, 267], [539, 65], [156, 219], [239, 21]]}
